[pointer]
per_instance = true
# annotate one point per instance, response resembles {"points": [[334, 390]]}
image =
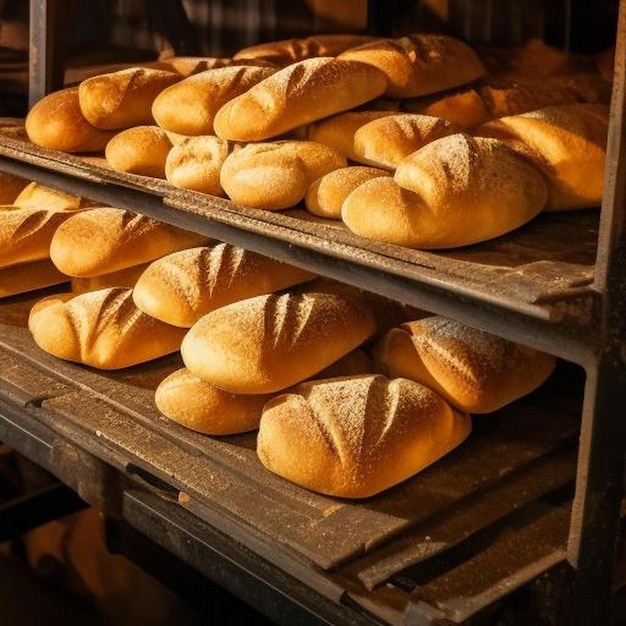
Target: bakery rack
{"points": [[535, 503]]}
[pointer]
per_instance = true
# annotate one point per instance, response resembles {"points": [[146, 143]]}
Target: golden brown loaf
{"points": [[326, 194], [56, 122], [139, 150], [270, 342], [123, 98], [181, 287], [421, 63], [38, 196], [25, 277], [567, 144], [103, 329], [195, 163], [106, 239], [196, 404], [276, 175], [454, 191], [189, 106], [354, 437], [297, 95], [474, 370]]}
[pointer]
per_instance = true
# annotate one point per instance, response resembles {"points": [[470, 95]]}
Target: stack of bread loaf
{"points": [[414, 140]]}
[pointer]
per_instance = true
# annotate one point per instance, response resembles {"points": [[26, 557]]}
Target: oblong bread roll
{"points": [[567, 144], [103, 329], [107, 239], [139, 150], [57, 122], [475, 371], [296, 95], [123, 98], [181, 287], [38, 196], [25, 277], [325, 196], [270, 342], [189, 106], [354, 437], [276, 175]]}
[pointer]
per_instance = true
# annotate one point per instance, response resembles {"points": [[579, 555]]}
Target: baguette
{"points": [[296, 95], [107, 239], [181, 287], [25, 277], [354, 437], [37, 196], [102, 329], [475, 371]]}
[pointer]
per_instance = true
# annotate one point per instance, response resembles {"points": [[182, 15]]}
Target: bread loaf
{"points": [[107, 239], [297, 95], [189, 106], [270, 342], [195, 163], [25, 277], [103, 329], [123, 98], [325, 195], [354, 437], [57, 122], [475, 371], [567, 144], [276, 175], [38, 196], [420, 64], [139, 150], [454, 191], [181, 287]]}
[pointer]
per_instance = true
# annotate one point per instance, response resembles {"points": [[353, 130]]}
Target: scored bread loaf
{"points": [[567, 144], [123, 98], [189, 106], [25, 277], [57, 122], [276, 175], [296, 95], [454, 191], [103, 329], [354, 437], [139, 150], [181, 287], [475, 371], [102, 240], [420, 63], [270, 342]]}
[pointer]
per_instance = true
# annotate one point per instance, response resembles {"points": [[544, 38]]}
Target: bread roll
{"points": [[181, 287], [25, 277], [354, 437], [298, 94], [420, 64], [126, 277], [139, 150], [385, 141], [123, 98], [196, 404], [10, 187], [196, 162], [270, 342], [189, 106], [473, 370], [103, 329], [567, 144], [56, 122], [106, 239], [326, 194], [37, 196], [276, 175]]}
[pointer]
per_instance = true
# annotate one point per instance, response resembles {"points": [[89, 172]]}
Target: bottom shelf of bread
{"points": [[481, 522]]}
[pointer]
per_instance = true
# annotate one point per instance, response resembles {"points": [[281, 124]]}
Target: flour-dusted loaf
{"points": [[356, 436], [25, 277], [102, 240], [270, 342], [454, 191], [296, 95], [474, 370], [103, 329], [181, 287]]}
